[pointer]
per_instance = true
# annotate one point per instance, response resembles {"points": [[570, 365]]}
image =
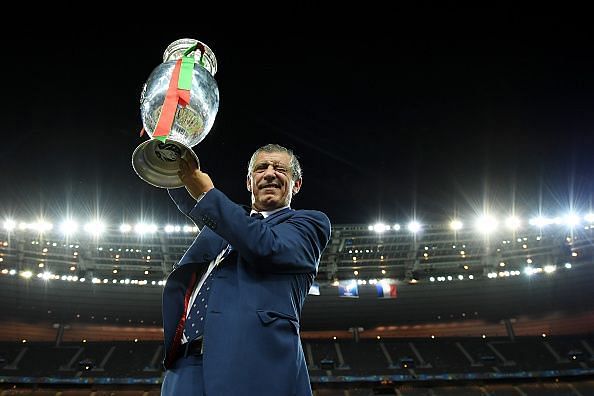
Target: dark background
{"points": [[425, 113]]}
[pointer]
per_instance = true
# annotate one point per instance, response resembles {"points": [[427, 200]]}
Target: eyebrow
{"points": [[273, 163]]}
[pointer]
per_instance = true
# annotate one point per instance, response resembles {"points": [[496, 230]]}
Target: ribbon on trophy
{"points": [[178, 92]]}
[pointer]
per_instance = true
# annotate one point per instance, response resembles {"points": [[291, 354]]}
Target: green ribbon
{"points": [[186, 70]]}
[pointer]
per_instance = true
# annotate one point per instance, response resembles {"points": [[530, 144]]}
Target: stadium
{"points": [[486, 306], [450, 148]]}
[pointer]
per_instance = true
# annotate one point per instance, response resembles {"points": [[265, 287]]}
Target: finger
{"points": [[192, 165], [183, 167]]}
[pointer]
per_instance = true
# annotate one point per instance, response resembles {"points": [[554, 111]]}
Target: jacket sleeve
{"points": [[184, 202], [294, 245]]}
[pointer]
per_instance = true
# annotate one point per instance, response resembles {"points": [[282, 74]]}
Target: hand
{"points": [[196, 181]]}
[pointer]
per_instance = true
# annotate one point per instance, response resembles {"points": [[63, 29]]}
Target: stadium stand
{"points": [[508, 315]]}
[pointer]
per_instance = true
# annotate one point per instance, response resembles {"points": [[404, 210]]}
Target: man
{"points": [[231, 306]]}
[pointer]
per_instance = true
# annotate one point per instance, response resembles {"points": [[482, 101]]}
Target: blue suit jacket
{"points": [[251, 336]]}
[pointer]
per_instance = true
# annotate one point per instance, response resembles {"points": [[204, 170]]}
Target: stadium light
{"points": [[124, 228], [549, 269], [169, 228], [68, 227], [414, 226], [41, 226], [95, 227], [456, 225], [571, 220], [9, 224], [143, 228], [540, 221], [513, 223], [26, 274], [380, 227], [486, 224], [396, 227]]}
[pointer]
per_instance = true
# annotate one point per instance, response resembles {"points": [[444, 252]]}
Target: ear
{"points": [[297, 186], [248, 183]]}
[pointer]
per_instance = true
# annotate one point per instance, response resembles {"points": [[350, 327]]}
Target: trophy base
{"points": [[157, 163]]}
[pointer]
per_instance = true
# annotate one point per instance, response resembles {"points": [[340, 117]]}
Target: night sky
{"points": [[423, 120]]}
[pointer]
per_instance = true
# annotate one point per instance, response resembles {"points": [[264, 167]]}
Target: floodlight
{"points": [[414, 226], [95, 227], [9, 225], [456, 225], [513, 223], [68, 227], [486, 224]]}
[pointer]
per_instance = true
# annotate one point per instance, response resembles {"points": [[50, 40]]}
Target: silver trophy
{"points": [[156, 161]]}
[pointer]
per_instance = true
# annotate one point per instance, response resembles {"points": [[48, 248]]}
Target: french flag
{"points": [[386, 289]]}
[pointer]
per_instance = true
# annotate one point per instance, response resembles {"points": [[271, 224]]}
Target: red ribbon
{"points": [[173, 96]]}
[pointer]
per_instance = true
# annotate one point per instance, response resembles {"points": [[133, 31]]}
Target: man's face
{"points": [[271, 181]]}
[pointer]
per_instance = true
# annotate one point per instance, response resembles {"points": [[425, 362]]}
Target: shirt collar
{"points": [[268, 213]]}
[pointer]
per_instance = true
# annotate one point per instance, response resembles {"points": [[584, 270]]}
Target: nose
{"points": [[270, 173]]}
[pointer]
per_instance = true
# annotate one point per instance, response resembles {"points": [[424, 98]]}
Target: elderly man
{"points": [[231, 306]]}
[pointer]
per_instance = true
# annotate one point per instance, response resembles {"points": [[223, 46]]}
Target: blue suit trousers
{"points": [[184, 378]]}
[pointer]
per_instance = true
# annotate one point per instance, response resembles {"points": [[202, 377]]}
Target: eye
{"points": [[280, 169], [260, 168]]}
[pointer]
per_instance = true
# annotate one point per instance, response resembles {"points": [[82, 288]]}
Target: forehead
{"points": [[274, 158]]}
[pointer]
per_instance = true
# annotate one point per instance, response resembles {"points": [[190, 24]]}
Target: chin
{"points": [[269, 205]]}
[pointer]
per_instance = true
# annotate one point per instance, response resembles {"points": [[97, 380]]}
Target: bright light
{"points": [[142, 228], [41, 226], [513, 223], [380, 227], [456, 225], [10, 225], [26, 274], [396, 227], [47, 275], [571, 220], [540, 221], [68, 227], [125, 228], [414, 226], [169, 228], [486, 224], [529, 271], [549, 268], [568, 265], [589, 218], [95, 227]]}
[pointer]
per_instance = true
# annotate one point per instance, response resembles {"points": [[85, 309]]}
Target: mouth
{"points": [[270, 185]]}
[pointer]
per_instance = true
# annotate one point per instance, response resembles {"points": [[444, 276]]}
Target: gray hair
{"points": [[275, 148]]}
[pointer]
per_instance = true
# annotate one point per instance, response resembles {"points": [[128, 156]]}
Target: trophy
{"points": [[178, 106]]}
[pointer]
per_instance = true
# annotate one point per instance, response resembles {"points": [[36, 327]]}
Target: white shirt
{"points": [[266, 214]]}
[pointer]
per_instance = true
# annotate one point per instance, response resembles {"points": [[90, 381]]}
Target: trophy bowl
{"points": [[156, 161]]}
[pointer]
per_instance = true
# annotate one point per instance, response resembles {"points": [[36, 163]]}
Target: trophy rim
{"points": [[150, 171], [186, 43]]}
